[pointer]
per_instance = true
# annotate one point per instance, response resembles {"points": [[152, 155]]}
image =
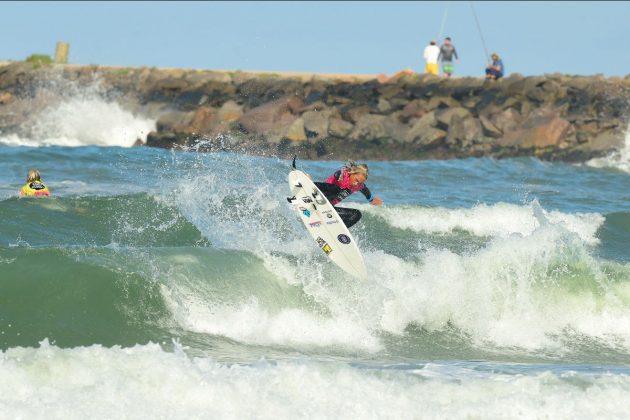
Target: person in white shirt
{"points": [[431, 53]]}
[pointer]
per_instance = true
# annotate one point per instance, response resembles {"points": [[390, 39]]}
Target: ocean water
{"points": [[163, 284]]}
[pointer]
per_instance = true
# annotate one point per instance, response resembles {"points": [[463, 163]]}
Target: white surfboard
{"points": [[325, 225]]}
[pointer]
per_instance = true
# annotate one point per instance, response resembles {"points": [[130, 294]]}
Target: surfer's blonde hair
{"points": [[33, 175], [356, 168]]}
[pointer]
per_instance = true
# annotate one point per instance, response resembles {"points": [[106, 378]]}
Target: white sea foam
{"points": [[528, 292], [147, 382], [496, 220], [534, 282], [83, 122], [252, 324]]}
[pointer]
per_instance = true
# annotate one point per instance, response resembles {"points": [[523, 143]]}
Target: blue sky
{"points": [[328, 37]]}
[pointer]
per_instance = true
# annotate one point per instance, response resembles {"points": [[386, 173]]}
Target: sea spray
{"points": [[619, 159], [72, 114]]}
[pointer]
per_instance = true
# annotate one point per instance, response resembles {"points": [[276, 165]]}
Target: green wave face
{"points": [[212, 257], [51, 293], [127, 220]]}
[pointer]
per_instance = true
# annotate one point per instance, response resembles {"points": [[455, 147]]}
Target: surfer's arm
{"points": [[373, 200]]}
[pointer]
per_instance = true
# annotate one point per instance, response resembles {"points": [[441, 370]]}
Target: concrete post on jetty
{"points": [[61, 52]]}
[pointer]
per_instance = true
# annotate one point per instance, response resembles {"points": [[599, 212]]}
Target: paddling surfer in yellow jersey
{"points": [[34, 185]]}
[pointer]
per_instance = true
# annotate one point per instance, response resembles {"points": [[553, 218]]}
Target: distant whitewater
{"points": [[618, 160], [80, 116]]}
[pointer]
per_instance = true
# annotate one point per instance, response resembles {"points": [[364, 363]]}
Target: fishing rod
{"points": [[444, 16], [483, 41]]}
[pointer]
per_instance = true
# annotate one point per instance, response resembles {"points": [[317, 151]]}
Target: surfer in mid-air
{"points": [[344, 182]]}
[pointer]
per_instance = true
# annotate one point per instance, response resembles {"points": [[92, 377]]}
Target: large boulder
{"points": [[172, 85], [489, 129], [174, 121], [230, 111], [267, 117], [542, 129], [338, 127], [383, 106], [431, 137], [463, 131], [441, 102], [354, 114], [6, 98], [394, 129], [202, 121], [420, 127], [506, 120], [413, 109], [444, 116], [295, 132], [607, 141], [316, 123], [369, 126]]}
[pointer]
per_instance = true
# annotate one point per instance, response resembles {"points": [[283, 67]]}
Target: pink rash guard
{"points": [[341, 179]]}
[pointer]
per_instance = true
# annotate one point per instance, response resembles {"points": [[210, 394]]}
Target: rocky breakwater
{"points": [[409, 116]]}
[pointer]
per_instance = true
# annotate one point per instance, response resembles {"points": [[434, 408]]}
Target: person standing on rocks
{"points": [[447, 51], [431, 53]]}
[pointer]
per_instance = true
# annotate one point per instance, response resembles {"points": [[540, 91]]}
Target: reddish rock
{"points": [[267, 117], [230, 111], [202, 122], [295, 103], [414, 109], [542, 129], [6, 98]]}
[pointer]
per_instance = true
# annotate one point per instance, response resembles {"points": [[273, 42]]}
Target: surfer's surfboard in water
{"points": [[325, 225]]}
